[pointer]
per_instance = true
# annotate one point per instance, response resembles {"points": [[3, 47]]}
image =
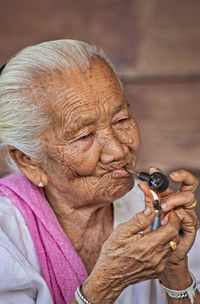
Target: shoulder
{"points": [[19, 265], [13, 225]]}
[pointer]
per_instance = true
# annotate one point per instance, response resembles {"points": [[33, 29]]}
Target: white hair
{"points": [[22, 119]]}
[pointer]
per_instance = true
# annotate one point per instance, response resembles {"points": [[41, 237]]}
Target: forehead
{"points": [[86, 94]]}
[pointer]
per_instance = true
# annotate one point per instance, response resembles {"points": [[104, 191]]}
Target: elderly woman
{"points": [[73, 228]]}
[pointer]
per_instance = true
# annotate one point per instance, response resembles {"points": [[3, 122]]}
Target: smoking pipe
{"points": [[157, 181]]}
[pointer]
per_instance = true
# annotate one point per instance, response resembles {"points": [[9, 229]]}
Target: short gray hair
{"points": [[22, 119]]}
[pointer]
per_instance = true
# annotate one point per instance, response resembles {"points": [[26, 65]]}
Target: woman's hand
{"points": [[178, 201], [176, 274], [172, 276], [128, 257]]}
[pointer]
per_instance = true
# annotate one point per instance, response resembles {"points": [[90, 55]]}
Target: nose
{"points": [[113, 150]]}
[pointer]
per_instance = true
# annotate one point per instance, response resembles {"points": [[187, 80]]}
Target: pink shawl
{"points": [[61, 266]]}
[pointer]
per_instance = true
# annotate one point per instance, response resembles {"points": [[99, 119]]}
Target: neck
{"points": [[87, 224]]}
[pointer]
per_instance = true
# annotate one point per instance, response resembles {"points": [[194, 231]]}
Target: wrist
{"points": [[188, 293], [176, 276], [97, 290]]}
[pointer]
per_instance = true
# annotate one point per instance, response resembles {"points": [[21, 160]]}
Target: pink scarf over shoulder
{"points": [[61, 266]]}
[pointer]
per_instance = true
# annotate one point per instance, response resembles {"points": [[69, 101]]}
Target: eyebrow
{"points": [[88, 120], [118, 108], [80, 123]]}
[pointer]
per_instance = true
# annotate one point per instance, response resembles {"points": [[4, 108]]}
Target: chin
{"points": [[115, 191], [122, 192]]}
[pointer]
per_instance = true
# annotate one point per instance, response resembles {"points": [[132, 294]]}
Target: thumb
{"points": [[141, 220], [145, 188], [147, 192]]}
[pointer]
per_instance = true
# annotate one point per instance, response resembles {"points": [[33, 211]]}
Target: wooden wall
{"points": [[155, 46]]}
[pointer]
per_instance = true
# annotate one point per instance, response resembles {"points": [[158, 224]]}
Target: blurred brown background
{"points": [[155, 46]]}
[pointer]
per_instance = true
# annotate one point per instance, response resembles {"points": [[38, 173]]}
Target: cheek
{"points": [[131, 138], [80, 162], [136, 139]]}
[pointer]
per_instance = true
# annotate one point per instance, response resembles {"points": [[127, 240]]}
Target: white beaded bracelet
{"points": [[80, 297], [181, 294]]}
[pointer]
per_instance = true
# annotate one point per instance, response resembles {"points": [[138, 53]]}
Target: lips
{"points": [[121, 172]]}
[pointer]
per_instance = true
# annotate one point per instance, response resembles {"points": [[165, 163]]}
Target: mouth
{"points": [[118, 173]]}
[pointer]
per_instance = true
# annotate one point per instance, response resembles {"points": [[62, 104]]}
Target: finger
{"points": [[154, 169], [189, 229], [148, 195], [166, 233], [193, 215], [186, 198], [188, 180], [138, 223], [189, 221], [169, 189]]}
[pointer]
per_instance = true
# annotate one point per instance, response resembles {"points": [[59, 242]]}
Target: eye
{"points": [[85, 137], [123, 124], [122, 120]]}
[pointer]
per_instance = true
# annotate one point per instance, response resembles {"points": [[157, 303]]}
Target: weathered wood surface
{"points": [[155, 46], [169, 119]]}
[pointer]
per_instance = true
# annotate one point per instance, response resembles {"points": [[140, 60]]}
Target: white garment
{"points": [[20, 273]]}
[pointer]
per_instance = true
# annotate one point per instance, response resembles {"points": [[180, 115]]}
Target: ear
{"points": [[30, 168]]}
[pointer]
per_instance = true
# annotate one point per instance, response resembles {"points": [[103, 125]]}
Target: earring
{"points": [[40, 184]]}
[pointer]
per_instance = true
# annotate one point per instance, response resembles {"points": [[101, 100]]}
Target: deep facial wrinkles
{"points": [[91, 105]]}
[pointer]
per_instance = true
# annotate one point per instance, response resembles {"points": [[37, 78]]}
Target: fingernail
{"points": [[175, 174], [154, 168], [164, 220], [164, 206], [148, 211]]}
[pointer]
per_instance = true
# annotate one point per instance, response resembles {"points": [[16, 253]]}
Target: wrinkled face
{"points": [[92, 137]]}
